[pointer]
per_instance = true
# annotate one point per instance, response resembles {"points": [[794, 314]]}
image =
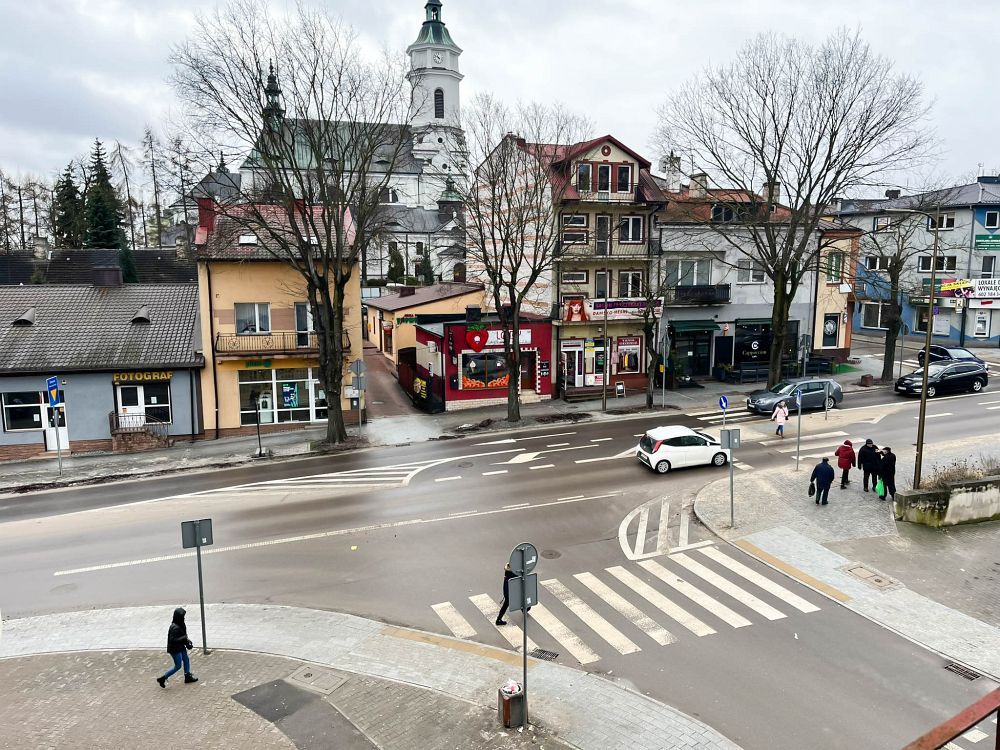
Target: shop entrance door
{"points": [[528, 364], [131, 406], [317, 403], [572, 368], [692, 351], [50, 429]]}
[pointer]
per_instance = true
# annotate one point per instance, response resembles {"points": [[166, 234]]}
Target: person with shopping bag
{"points": [[821, 481]]}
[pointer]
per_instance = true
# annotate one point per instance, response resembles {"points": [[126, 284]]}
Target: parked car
{"points": [[674, 446], [945, 377], [816, 392], [951, 353]]}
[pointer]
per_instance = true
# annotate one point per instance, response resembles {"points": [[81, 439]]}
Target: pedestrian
{"points": [[507, 575], [178, 644], [780, 415], [846, 460], [823, 475], [887, 472], [868, 460]]}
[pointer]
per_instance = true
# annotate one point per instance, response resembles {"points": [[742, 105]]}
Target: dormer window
{"points": [[584, 179], [141, 316], [27, 318], [722, 214], [624, 178], [248, 239]]}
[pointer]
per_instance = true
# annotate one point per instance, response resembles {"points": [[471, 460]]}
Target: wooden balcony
{"points": [[273, 342]]}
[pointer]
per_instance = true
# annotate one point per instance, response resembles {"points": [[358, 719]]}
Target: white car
{"points": [[673, 447]]}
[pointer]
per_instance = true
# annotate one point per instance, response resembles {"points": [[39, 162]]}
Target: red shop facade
{"points": [[461, 365]]}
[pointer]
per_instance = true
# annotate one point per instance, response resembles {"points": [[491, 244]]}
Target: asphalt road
{"points": [[769, 675]]}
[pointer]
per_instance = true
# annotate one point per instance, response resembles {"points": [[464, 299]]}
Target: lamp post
{"points": [[255, 395], [921, 420]]}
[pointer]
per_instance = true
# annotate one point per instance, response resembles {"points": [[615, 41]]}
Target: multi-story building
{"points": [[834, 294], [968, 274]]}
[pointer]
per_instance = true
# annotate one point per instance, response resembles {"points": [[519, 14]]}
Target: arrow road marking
{"points": [[532, 437], [623, 454], [521, 458]]}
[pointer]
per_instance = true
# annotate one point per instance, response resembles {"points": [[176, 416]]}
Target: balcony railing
{"points": [[699, 294], [275, 342], [609, 196], [601, 249]]}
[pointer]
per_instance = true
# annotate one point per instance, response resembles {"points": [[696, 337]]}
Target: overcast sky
{"points": [[71, 70]]}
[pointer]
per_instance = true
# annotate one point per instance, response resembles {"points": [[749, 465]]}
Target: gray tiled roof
{"points": [[83, 327], [75, 266], [422, 295], [973, 194]]}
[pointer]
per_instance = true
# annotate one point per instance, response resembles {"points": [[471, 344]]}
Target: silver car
{"points": [[817, 393]]}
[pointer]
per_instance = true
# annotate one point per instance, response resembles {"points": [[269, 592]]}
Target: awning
{"points": [[754, 321], [684, 326]]}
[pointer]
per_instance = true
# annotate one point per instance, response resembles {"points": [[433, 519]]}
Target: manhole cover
{"points": [[318, 679], [869, 576], [541, 653], [963, 671], [551, 554]]}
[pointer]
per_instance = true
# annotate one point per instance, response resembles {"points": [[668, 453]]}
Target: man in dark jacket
{"points": [[823, 475], [178, 644], [845, 460], [887, 470], [868, 460], [507, 575]]}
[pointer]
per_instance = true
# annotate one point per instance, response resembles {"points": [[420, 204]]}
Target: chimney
{"points": [[699, 185], [892, 194], [182, 247], [671, 168], [107, 276], [406, 291], [40, 247], [473, 314], [772, 192]]}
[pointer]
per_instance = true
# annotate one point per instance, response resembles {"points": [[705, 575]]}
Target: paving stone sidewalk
{"points": [[395, 676], [937, 587]]}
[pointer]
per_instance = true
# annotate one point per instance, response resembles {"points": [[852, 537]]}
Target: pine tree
{"points": [[104, 214], [67, 211], [425, 271], [394, 274]]}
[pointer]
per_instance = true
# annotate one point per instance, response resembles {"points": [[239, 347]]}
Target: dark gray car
{"points": [[815, 393]]}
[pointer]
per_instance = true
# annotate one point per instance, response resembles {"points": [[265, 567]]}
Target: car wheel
{"points": [[931, 391], [663, 467], [977, 386], [831, 402], [719, 459]]}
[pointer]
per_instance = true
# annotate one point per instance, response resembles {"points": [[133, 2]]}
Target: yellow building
{"points": [[391, 319], [260, 344], [838, 257]]}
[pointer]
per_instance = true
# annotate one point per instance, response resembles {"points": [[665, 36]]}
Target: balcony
{"points": [[699, 294], [275, 342], [609, 196], [600, 250]]}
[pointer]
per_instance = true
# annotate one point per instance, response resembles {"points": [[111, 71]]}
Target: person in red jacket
{"points": [[845, 460]]}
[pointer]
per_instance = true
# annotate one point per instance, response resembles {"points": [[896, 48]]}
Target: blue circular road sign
{"points": [[723, 403], [798, 395]]}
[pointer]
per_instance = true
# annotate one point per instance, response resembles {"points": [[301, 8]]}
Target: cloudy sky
{"points": [[71, 70]]}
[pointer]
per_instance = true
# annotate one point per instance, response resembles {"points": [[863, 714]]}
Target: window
{"points": [[248, 239], [253, 317], [834, 267], [749, 272], [283, 396], [876, 263], [947, 221], [603, 235], [722, 214], [574, 277], [22, 411], [419, 248], [602, 288], [883, 223], [604, 178], [630, 230], [584, 181], [388, 195], [989, 267], [944, 263], [992, 220], [156, 401], [303, 323], [438, 104], [876, 314], [484, 371], [687, 272], [574, 220], [630, 283], [303, 153], [574, 229], [458, 272], [624, 179]]}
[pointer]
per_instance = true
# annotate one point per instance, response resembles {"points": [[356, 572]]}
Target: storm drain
{"points": [[963, 672], [316, 679], [541, 653], [871, 577]]}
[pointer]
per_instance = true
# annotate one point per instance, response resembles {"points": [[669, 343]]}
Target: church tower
{"points": [[434, 75]]}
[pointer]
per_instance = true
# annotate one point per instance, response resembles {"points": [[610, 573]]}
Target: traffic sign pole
{"points": [[52, 386], [798, 430], [724, 405], [524, 634]]}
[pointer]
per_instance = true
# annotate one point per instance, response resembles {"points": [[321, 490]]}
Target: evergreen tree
{"points": [[425, 271], [67, 211], [104, 214], [395, 271]]}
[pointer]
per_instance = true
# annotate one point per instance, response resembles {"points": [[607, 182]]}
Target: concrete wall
{"points": [[964, 502]]}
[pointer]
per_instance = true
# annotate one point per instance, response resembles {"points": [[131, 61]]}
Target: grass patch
{"points": [[961, 471], [843, 369]]}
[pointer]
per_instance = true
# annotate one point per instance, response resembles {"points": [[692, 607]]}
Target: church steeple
{"points": [[434, 72], [433, 31], [274, 113]]}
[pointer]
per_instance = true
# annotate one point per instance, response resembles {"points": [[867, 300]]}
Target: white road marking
{"points": [[628, 610], [457, 624], [992, 408], [663, 530], [624, 454], [563, 635], [447, 479], [522, 458], [571, 497], [621, 643], [661, 602], [557, 445], [742, 466], [699, 597], [975, 735], [932, 416], [725, 586], [682, 532], [514, 635], [810, 446], [640, 534], [518, 505], [530, 437], [985, 403], [462, 513], [759, 580], [641, 434], [714, 412], [600, 440], [543, 466], [493, 473], [779, 441], [327, 534]]}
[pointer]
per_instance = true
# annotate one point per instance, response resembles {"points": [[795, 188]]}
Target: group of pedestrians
{"points": [[877, 464]]}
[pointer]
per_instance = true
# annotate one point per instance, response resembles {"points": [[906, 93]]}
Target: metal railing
{"points": [[960, 723], [122, 424], [609, 196], [699, 294], [264, 343], [593, 248]]}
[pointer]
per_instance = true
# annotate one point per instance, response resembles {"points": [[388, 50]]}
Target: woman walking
{"points": [[178, 644], [780, 415]]}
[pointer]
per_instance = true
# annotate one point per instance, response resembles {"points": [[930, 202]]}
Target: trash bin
{"points": [[510, 704], [867, 381]]}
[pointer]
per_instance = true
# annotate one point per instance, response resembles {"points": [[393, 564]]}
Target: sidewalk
{"points": [[365, 682], [937, 587], [40, 473]]}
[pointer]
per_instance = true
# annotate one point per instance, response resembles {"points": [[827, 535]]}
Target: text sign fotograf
{"points": [[526, 597], [530, 558], [196, 533], [143, 377], [52, 387]]}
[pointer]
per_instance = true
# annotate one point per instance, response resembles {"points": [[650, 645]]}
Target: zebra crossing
{"points": [[732, 416], [385, 477], [813, 446], [624, 609], [970, 739]]}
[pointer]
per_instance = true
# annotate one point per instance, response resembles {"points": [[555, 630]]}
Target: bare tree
{"points": [[789, 124], [321, 141], [152, 156], [121, 163], [180, 162], [519, 175]]}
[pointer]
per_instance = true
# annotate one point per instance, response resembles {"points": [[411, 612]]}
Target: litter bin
{"points": [[510, 705], [867, 381]]}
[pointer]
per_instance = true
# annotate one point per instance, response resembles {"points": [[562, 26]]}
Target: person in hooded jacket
{"points": [[887, 470], [178, 644], [868, 460], [845, 460], [823, 475]]}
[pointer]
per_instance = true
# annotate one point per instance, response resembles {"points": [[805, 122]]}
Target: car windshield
{"points": [[783, 387], [646, 443], [961, 354]]}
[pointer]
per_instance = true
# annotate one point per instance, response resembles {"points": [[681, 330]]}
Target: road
{"points": [[699, 625]]}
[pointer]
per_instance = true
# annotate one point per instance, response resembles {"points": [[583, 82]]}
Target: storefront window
{"points": [[157, 401], [629, 355], [22, 410], [484, 370], [253, 383], [292, 394], [754, 338]]}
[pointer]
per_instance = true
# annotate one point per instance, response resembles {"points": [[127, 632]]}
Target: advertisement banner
{"points": [[583, 309], [970, 288]]}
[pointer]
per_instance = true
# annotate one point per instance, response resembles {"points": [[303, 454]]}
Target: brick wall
{"points": [[90, 446], [19, 452]]}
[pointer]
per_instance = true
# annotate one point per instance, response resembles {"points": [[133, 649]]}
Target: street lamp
{"points": [[921, 420], [255, 396]]}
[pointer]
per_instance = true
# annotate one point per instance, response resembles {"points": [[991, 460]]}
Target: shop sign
{"points": [[147, 376], [256, 364], [629, 341], [406, 319], [496, 337], [584, 309], [970, 288], [988, 241], [544, 368], [420, 387]]}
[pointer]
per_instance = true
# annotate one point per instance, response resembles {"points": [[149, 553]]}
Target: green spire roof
{"points": [[450, 193], [433, 30]]}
